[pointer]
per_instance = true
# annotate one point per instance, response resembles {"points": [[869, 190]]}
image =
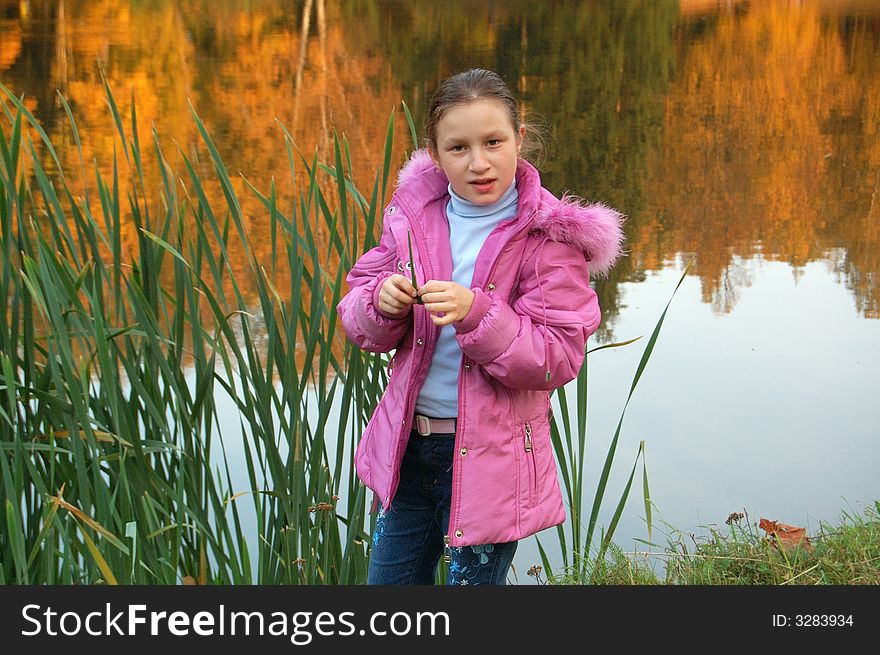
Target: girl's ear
{"points": [[520, 135], [434, 158]]}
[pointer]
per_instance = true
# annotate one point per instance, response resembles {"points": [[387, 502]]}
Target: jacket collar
{"points": [[595, 229]]}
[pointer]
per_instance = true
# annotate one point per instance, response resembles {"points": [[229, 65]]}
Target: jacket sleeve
{"points": [[546, 328], [365, 324]]}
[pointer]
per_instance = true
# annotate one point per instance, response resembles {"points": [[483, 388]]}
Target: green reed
{"points": [[569, 443], [116, 366]]}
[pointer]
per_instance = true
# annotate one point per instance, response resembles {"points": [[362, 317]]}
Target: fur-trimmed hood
{"points": [[594, 228]]}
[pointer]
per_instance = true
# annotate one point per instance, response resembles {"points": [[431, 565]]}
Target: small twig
{"points": [[412, 267]]}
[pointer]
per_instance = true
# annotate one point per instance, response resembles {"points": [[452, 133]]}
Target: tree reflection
{"points": [[768, 147], [728, 134]]}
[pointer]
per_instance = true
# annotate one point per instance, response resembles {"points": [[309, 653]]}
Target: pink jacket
{"points": [[524, 336]]}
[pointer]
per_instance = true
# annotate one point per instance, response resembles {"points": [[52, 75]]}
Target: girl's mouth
{"points": [[483, 184]]}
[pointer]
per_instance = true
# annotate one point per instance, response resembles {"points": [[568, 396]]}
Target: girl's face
{"points": [[477, 148]]}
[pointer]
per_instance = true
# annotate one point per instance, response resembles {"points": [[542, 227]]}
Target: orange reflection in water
{"points": [[767, 126], [765, 151]]}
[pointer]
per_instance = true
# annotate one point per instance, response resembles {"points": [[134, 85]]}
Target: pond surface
{"points": [[744, 136]]}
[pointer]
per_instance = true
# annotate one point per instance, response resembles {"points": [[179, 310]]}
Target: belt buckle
{"points": [[423, 425]]}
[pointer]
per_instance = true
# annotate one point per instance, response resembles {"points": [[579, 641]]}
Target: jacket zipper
{"points": [[453, 500], [532, 468]]}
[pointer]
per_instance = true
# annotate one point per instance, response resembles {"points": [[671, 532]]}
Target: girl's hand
{"points": [[396, 295], [445, 301]]}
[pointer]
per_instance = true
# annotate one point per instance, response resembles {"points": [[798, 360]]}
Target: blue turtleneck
{"points": [[469, 225]]}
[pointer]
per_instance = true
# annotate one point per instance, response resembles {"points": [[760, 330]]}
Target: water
{"points": [[743, 135], [764, 410]]}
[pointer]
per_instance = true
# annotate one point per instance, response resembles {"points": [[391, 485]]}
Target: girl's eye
{"points": [[493, 142], [457, 148]]}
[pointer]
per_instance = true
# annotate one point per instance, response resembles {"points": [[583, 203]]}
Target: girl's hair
{"points": [[477, 84]]}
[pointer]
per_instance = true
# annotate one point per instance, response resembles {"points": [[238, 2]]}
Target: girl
{"points": [[458, 451]]}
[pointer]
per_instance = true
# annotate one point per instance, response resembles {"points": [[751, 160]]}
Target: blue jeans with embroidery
{"points": [[408, 539]]}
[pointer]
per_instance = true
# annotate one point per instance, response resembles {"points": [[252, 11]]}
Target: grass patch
{"points": [[844, 554]]}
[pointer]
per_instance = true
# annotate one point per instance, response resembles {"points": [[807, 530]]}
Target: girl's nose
{"points": [[478, 161]]}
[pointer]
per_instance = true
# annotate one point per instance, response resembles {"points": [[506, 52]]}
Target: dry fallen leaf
{"points": [[789, 536]]}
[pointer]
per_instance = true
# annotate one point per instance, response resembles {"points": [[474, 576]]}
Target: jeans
{"points": [[408, 539]]}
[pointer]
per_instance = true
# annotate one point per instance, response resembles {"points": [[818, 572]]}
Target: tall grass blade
{"points": [[643, 362]]}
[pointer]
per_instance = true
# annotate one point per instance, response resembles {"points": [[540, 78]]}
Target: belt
{"points": [[426, 426]]}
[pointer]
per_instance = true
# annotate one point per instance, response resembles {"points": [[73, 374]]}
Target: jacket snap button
{"points": [[459, 534], [491, 287], [392, 209], [419, 342], [463, 452], [467, 367]]}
